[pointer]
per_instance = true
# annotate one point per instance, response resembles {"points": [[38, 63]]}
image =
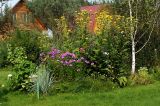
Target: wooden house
{"points": [[22, 17]]}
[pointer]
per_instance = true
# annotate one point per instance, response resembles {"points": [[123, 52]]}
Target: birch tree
{"points": [[134, 29]]}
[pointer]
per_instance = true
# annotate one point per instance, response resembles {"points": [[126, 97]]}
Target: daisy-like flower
{"points": [[10, 76]]}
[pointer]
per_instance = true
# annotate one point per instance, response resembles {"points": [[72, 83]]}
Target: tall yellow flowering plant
{"points": [[82, 19], [106, 22]]}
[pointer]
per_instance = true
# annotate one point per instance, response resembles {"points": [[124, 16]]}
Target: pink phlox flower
{"points": [[54, 52], [81, 49], [68, 54], [79, 60]]}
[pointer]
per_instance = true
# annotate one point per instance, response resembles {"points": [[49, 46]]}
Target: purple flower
{"points": [[81, 50], [54, 52], [68, 58], [68, 54], [79, 60]]}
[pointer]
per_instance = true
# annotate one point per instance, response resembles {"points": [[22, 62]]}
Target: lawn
{"points": [[4, 74], [148, 95]]}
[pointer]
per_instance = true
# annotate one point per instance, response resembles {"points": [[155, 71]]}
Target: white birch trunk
{"points": [[132, 39], [133, 57]]}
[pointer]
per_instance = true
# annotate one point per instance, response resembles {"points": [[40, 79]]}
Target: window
{"points": [[14, 18], [23, 18]]}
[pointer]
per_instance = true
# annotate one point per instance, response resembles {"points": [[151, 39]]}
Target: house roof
{"points": [[92, 11]]}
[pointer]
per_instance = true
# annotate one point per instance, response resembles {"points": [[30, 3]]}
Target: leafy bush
{"points": [[110, 49], [110, 56], [3, 53], [142, 78], [156, 72], [65, 65], [122, 81], [22, 68], [86, 84], [105, 52], [32, 42]]}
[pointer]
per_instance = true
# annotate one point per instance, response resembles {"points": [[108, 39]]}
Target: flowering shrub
{"points": [[62, 27], [108, 57], [54, 52], [106, 54], [82, 19], [141, 78], [107, 22], [70, 65], [22, 68], [68, 58]]}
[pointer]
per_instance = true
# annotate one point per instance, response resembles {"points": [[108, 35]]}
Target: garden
{"points": [[116, 64]]}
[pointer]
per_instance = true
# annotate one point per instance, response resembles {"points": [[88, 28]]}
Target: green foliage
{"points": [[20, 80], [65, 68], [16, 55], [141, 78], [5, 18], [156, 72], [123, 81], [3, 92], [104, 54], [32, 42], [110, 56], [87, 84], [151, 58], [22, 68], [49, 10], [148, 20], [3, 53]]}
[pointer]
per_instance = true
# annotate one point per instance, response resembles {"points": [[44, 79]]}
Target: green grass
{"points": [[3, 75], [148, 95]]}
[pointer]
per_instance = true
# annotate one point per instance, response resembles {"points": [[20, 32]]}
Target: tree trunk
{"points": [[132, 39], [133, 57]]}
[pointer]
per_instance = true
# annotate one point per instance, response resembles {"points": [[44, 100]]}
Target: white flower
{"points": [[105, 53], [2, 86], [33, 77], [9, 76], [122, 32]]}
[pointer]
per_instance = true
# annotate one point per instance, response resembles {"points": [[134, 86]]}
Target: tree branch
{"points": [[149, 35]]}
